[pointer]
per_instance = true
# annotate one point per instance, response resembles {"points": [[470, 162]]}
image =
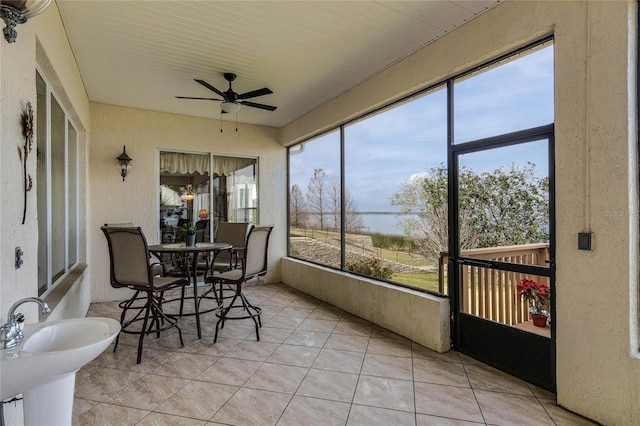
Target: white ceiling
{"points": [[143, 53]]}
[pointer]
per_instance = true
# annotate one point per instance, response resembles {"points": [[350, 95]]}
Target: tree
{"points": [[353, 221], [317, 197], [298, 215], [505, 207], [334, 201], [324, 201]]}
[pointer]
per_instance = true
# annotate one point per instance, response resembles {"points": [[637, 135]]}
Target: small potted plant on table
{"points": [[537, 295], [188, 232]]}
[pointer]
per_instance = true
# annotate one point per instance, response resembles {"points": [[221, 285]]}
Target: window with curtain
{"points": [[224, 188]]}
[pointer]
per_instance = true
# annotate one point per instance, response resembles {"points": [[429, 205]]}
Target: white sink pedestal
{"points": [[51, 403], [43, 366]]}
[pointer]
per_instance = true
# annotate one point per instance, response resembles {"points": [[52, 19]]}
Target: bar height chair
{"points": [[130, 268], [253, 264], [234, 233]]}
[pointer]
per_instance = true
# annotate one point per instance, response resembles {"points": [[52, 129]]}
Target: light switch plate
{"points": [[584, 240]]}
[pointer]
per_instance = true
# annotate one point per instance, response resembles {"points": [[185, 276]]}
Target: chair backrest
{"points": [[202, 224], [234, 233], [129, 257], [202, 230], [255, 263]]}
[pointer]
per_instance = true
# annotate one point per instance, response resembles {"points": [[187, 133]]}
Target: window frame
{"points": [[210, 180], [509, 56], [49, 281]]}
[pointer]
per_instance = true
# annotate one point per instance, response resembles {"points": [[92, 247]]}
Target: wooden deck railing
{"points": [[491, 293]]}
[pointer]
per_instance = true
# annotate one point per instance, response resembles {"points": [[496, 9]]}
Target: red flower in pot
{"points": [[537, 296]]}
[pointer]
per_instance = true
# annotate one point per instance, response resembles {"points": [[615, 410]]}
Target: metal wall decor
{"points": [[27, 131]]}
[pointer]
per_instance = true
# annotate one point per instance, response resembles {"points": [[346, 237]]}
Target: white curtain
{"points": [[183, 163], [201, 201], [228, 165], [232, 202]]}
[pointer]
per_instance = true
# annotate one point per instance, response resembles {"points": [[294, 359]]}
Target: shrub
{"points": [[372, 267], [392, 242]]}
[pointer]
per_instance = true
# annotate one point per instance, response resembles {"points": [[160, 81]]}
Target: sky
{"points": [[384, 150]]}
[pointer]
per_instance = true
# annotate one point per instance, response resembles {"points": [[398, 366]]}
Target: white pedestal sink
{"points": [[43, 366]]}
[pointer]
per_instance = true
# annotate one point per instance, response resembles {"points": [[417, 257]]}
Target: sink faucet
{"points": [[10, 333]]}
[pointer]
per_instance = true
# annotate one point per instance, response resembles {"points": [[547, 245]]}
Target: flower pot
{"points": [[190, 240], [539, 320]]}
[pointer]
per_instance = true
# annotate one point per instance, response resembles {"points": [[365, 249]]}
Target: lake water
{"points": [[385, 223]]}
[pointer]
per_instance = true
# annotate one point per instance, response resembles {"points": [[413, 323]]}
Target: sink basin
{"points": [[43, 365], [69, 335]]}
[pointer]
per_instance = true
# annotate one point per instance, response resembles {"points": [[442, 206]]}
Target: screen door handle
{"points": [[476, 263]]}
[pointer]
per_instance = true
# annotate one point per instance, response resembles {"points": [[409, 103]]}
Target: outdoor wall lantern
{"points": [[123, 163], [15, 12]]}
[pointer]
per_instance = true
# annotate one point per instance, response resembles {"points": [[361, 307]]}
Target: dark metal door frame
{"points": [[503, 347]]}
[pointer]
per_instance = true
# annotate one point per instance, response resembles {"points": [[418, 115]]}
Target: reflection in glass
{"points": [[58, 223], [41, 179], [72, 172]]}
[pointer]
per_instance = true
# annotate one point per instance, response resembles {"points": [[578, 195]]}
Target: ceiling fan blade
{"points": [[208, 86], [204, 99], [255, 105], [255, 93]]}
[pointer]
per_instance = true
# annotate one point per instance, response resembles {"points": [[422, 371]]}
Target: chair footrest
{"points": [[246, 309]]}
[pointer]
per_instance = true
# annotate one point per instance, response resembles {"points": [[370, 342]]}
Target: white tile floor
{"points": [[314, 365]]}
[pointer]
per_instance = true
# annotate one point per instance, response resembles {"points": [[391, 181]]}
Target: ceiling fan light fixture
{"points": [[229, 107], [188, 195]]}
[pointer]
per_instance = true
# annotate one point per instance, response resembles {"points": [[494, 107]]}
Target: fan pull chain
{"points": [[236, 121], [221, 121]]}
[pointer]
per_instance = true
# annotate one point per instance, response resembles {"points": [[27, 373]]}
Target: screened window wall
{"points": [[383, 213], [315, 206]]}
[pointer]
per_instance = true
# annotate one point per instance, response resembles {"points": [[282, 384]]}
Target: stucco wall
{"points": [[421, 317], [41, 41], [136, 199], [17, 86], [598, 370], [596, 160]]}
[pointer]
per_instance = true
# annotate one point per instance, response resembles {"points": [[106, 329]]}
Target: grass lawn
{"points": [[393, 255], [423, 281], [402, 257], [426, 281]]}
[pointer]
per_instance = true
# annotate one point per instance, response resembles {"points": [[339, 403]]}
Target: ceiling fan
{"points": [[231, 100]]}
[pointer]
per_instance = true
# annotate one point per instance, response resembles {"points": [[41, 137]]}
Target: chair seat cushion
{"points": [[163, 283], [233, 275]]}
